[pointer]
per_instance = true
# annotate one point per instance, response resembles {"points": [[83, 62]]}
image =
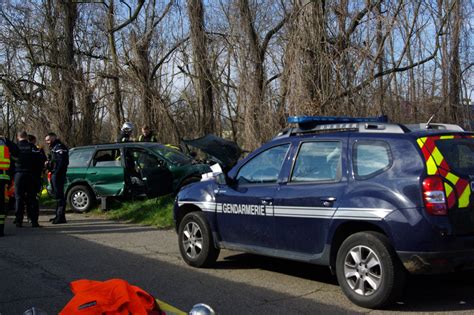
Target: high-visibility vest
{"points": [[4, 160]]}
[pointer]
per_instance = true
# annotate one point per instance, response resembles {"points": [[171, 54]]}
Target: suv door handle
{"points": [[328, 201], [92, 173], [267, 201]]}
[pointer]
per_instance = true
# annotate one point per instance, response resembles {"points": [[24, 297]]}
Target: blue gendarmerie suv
{"points": [[370, 199]]}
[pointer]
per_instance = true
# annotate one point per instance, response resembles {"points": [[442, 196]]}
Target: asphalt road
{"points": [[37, 265]]}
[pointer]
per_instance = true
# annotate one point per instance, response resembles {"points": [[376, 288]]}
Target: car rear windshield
{"points": [[459, 154], [172, 155]]}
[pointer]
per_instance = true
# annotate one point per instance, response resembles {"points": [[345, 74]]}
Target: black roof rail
{"points": [[434, 126]]}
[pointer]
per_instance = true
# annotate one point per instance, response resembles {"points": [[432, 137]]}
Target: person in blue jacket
{"points": [[57, 165]]}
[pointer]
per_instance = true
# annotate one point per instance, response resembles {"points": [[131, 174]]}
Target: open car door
{"points": [[156, 177], [158, 181]]}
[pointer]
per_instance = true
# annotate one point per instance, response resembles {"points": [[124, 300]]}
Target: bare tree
{"points": [[203, 76]]}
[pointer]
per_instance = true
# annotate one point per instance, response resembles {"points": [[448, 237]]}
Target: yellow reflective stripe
{"points": [[452, 178], [438, 157], [464, 198], [446, 137], [421, 142], [431, 166], [448, 189]]}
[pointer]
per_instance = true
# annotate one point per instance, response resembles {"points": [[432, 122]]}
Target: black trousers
{"points": [[25, 195], [37, 186], [57, 183], [3, 207]]}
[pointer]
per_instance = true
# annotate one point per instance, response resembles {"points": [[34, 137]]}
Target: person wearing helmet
{"points": [[126, 132]]}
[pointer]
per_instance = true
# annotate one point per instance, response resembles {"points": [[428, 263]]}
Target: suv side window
{"points": [[317, 161], [263, 168], [80, 158], [370, 158], [107, 158]]}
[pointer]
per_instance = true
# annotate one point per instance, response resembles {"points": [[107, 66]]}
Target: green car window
{"points": [[171, 155], [107, 158], [80, 158]]}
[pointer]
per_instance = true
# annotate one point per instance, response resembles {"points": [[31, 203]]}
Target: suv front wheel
{"points": [[80, 198], [368, 270], [195, 241]]}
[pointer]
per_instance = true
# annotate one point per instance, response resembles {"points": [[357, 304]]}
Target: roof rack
{"points": [[434, 126]]}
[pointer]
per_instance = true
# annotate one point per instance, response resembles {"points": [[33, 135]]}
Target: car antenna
{"points": [[427, 126]]}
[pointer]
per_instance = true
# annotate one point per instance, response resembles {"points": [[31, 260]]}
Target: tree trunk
{"points": [[455, 68], [68, 68], [309, 77], [117, 108], [203, 81]]}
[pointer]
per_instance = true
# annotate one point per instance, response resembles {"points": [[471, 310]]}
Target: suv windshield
{"points": [[171, 155], [459, 154]]}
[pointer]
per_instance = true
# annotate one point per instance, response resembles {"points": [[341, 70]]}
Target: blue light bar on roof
{"points": [[322, 120]]}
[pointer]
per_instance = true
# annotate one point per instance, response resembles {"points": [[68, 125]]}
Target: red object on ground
{"points": [[115, 296]]}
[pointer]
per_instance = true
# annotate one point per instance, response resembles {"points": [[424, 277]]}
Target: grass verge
{"points": [[156, 212]]}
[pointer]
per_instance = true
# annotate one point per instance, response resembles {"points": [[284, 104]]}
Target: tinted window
{"points": [[371, 158], [317, 161], [459, 153], [80, 158], [107, 158], [265, 167]]}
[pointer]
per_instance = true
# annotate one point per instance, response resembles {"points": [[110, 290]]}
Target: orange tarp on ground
{"points": [[113, 296]]}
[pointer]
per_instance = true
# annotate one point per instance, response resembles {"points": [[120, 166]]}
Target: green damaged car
{"points": [[126, 170]]}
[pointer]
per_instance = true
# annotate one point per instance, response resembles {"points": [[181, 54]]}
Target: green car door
{"points": [[106, 172]]}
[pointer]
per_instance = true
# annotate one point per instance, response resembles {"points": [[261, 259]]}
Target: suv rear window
{"points": [[459, 154], [371, 158]]}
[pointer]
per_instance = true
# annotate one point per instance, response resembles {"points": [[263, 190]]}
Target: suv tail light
{"points": [[434, 196]]}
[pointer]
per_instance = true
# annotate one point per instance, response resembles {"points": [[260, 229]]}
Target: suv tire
{"points": [[80, 198], [195, 241], [370, 257]]}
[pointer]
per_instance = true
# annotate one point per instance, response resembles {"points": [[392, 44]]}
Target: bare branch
{"points": [[131, 18]]}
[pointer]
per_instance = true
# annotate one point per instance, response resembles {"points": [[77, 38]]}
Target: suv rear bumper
{"points": [[437, 262]]}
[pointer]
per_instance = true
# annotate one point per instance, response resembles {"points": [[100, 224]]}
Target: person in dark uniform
{"points": [[57, 165], [38, 167], [28, 155], [147, 135], [126, 133], [8, 154]]}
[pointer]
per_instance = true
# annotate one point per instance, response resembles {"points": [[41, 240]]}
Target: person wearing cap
{"points": [[126, 133], [57, 165], [147, 135]]}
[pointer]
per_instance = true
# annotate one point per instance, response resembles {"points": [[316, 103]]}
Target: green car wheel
{"points": [[81, 198]]}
